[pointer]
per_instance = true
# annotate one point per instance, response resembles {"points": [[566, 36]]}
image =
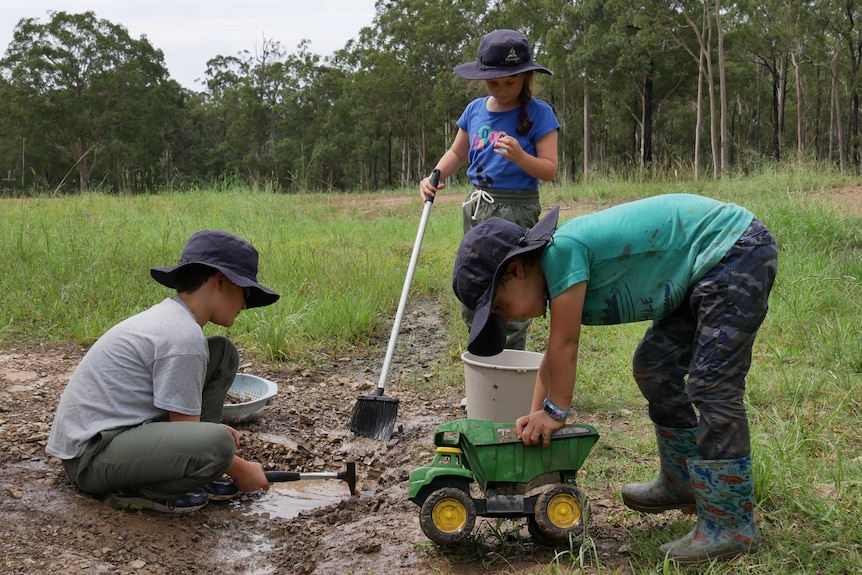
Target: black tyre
{"points": [[560, 511], [448, 515], [537, 535]]}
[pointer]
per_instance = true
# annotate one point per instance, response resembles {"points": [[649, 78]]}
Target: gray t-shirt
{"points": [[140, 369]]}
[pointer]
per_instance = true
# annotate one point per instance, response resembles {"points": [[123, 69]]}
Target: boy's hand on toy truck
{"points": [[537, 428]]}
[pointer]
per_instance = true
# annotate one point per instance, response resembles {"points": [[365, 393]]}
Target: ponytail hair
{"points": [[524, 120]]}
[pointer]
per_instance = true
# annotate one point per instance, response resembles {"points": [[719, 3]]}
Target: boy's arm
{"points": [[247, 475], [565, 335], [556, 378]]}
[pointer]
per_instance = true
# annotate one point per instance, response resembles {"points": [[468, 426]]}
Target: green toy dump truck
{"points": [[516, 481]]}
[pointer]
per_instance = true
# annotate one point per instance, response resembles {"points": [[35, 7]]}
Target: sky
{"points": [[190, 32]]}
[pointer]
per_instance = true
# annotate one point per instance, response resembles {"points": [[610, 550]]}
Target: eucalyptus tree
{"points": [[765, 37], [549, 26], [12, 139], [630, 72], [247, 92], [843, 20], [404, 76], [93, 99], [592, 59], [316, 141]]}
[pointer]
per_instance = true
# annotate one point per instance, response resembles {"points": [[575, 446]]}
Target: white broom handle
{"points": [[405, 292]]}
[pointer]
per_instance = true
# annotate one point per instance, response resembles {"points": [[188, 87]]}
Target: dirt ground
{"points": [[52, 528], [49, 527]]}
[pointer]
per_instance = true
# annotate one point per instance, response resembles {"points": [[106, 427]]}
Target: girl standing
{"points": [[510, 140]]}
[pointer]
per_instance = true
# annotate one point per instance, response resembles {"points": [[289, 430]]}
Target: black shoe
{"points": [[221, 489], [131, 499]]}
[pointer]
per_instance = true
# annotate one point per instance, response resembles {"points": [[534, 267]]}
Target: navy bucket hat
{"points": [[501, 53], [482, 257], [231, 255]]}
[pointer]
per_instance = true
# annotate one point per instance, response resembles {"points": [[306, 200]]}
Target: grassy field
{"points": [[72, 267]]}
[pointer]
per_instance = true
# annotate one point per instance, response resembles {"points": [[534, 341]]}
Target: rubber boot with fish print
{"points": [[724, 492], [672, 488]]}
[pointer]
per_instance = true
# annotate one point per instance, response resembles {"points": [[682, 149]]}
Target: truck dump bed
{"points": [[496, 455]]}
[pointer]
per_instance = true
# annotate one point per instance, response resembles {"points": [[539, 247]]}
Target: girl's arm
{"points": [[451, 162]]}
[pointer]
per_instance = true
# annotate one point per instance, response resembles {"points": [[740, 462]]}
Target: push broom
{"points": [[374, 415]]}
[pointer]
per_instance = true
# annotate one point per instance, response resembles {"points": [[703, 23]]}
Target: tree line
{"points": [[702, 88]]}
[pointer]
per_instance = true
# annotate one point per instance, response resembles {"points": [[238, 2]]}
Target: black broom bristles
{"points": [[374, 416]]}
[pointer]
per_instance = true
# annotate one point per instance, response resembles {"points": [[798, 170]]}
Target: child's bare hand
{"points": [[537, 428], [235, 434], [426, 190], [248, 476], [509, 147]]}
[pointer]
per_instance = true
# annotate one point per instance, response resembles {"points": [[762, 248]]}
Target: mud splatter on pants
{"points": [[695, 361]]}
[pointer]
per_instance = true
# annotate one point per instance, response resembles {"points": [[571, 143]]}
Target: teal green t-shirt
{"points": [[639, 259]]}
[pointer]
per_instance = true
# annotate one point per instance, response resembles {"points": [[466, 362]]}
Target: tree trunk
{"points": [[586, 128], [800, 135], [836, 127], [722, 83], [775, 143], [710, 86], [698, 126], [79, 154], [646, 123]]}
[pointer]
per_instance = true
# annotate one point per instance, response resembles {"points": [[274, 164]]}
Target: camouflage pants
{"points": [[699, 356], [522, 208]]}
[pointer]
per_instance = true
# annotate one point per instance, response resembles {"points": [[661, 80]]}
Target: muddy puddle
{"points": [[284, 500], [287, 500]]}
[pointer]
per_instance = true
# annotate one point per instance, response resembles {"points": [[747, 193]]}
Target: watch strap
{"points": [[555, 412]]}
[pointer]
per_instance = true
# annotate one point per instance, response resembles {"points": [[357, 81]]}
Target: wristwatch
{"points": [[555, 412]]}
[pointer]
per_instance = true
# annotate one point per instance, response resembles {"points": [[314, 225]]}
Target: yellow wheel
{"points": [[560, 512], [448, 515]]}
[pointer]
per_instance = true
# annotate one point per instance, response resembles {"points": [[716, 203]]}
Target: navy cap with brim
{"points": [[490, 338], [501, 53], [488, 330], [230, 254]]}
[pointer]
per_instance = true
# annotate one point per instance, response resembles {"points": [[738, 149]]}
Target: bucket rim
{"points": [[483, 361]]}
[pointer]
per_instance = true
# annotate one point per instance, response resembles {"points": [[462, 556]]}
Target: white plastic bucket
{"points": [[500, 387]]}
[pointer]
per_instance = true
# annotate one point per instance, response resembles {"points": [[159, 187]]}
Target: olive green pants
{"points": [[163, 459], [522, 208]]}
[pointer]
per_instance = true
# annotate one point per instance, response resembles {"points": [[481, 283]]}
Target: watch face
{"points": [[550, 411]]}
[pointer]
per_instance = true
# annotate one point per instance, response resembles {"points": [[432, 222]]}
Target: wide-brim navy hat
{"points": [[501, 53], [231, 255], [483, 256]]}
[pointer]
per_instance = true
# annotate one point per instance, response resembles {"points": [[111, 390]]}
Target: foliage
{"points": [[637, 88], [93, 101]]}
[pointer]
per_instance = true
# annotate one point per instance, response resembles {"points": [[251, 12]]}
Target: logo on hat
{"points": [[513, 56]]}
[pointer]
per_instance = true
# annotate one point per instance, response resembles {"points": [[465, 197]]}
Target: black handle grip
{"points": [[435, 181], [279, 476]]}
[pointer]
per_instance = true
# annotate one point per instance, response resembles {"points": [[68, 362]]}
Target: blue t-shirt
{"points": [[491, 170], [639, 259]]}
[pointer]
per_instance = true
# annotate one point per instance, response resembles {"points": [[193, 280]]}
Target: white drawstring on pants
{"points": [[477, 195]]}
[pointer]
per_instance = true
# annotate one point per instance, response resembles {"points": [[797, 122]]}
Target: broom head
{"points": [[374, 416]]}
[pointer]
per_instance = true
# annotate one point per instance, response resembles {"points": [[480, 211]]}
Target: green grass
{"points": [[72, 267]]}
